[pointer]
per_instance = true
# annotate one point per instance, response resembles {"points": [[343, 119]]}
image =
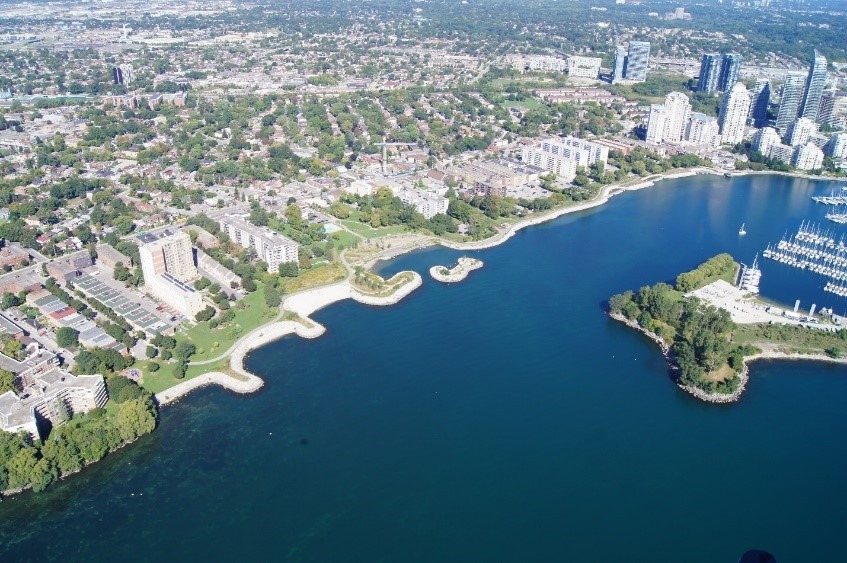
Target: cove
{"points": [[504, 418]]}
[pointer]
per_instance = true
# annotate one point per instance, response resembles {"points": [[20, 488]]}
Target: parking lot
{"points": [[125, 304]]}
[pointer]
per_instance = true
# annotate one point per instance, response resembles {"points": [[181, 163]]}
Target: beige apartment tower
{"points": [[171, 254]]}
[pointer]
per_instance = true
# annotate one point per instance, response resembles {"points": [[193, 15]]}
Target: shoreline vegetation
{"points": [[458, 273], [708, 355], [303, 304]]}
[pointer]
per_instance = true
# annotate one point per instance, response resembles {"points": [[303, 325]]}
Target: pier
{"points": [[838, 216], [750, 277]]}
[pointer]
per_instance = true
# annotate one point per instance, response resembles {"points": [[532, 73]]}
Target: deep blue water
{"points": [[501, 419]]}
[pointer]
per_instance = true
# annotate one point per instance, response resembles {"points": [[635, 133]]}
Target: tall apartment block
{"points": [[637, 60], [759, 105], [815, 84], [789, 103], [168, 265], [123, 74], [620, 65], [733, 114], [710, 71], [730, 70]]}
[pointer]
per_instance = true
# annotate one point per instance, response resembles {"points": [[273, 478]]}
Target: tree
{"points": [[288, 269], [7, 381], [184, 350], [20, 467], [135, 418], [205, 314], [10, 300], [121, 272], [67, 337]]}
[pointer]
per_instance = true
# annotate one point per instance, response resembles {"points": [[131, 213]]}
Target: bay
{"points": [[505, 418]]}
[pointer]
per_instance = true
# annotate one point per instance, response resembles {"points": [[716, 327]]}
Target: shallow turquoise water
{"points": [[501, 419]]}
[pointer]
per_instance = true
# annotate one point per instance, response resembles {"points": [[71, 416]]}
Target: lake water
{"points": [[505, 418]]}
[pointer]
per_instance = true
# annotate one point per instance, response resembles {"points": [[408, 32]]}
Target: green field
{"points": [[523, 104]]}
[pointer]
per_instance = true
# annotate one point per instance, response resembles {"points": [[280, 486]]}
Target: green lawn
{"points": [[369, 232], [343, 239], [211, 343], [164, 379]]}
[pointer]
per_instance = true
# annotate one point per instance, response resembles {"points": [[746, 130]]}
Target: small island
{"points": [[456, 274], [709, 330]]}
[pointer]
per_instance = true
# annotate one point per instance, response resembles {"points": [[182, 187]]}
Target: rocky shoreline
{"points": [[458, 273], [744, 375], [668, 354]]}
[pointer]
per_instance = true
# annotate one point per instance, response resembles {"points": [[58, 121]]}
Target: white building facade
{"points": [[584, 67], [733, 115], [807, 157]]}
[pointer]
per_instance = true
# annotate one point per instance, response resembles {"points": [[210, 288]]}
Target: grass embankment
{"points": [[343, 239], [368, 232], [251, 312], [371, 284]]}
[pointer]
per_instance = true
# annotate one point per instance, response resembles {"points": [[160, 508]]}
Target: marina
{"points": [[817, 250]]}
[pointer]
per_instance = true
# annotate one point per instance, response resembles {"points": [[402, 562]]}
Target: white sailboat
{"points": [[741, 231]]}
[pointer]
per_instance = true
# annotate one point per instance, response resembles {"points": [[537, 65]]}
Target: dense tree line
{"points": [[25, 462]]}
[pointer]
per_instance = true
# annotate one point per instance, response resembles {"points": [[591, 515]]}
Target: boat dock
{"points": [[838, 216], [750, 276], [832, 199]]}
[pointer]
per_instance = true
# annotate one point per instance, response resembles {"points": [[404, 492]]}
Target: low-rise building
{"points": [[426, 203], [109, 257], [70, 266], [54, 396], [13, 256]]}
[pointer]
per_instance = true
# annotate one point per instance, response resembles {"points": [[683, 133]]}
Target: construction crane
{"points": [[385, 146]]}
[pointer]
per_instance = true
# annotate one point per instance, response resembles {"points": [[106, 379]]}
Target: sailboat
{"points": [[741, 231]]}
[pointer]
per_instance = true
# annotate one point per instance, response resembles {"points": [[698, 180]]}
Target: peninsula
{"points": [[709, 331]]}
